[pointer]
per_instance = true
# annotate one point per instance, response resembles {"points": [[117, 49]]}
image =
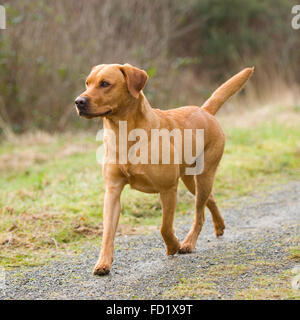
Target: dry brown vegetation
{"points": [[187, 47]]}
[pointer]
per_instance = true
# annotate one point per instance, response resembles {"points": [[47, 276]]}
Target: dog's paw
{"points": [[172, 250], [219, 231], [101, 269], [185, 248]]}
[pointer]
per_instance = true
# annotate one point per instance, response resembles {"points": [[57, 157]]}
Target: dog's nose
{"points": [[81, 102]]}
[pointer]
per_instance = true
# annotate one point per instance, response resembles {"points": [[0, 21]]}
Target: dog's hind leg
{"points": [[217, 218], [203, 184], [189, 182]]}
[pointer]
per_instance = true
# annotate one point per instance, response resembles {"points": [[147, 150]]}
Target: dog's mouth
{"points": [[93, 115]]}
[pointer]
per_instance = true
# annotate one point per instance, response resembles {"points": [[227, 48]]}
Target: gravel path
{"points": [[257, 229]]}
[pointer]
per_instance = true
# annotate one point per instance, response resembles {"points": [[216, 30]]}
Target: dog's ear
{"points": [[135, 79]]}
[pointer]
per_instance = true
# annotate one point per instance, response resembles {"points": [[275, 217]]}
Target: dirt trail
{"points": [[259, 232]]}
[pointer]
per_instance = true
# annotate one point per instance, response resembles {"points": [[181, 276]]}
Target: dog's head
{"points": [[110, 89]]}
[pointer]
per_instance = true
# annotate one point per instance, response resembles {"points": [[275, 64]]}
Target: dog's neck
{"points": [[140, 113]]}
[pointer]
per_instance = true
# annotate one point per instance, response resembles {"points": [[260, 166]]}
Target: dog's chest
{"points": [[137, 178], [148, 178]]}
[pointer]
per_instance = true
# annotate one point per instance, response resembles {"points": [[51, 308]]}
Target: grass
{"points": [[204, 286], [189, 289], [51, 190], [263, 287], [246, 275], [270, 288], [295, 253]]}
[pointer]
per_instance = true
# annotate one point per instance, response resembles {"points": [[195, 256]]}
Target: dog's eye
{"points": [[104, 84]]}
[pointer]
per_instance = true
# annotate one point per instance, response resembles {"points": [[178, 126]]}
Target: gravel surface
{"points": [[257, 229]]}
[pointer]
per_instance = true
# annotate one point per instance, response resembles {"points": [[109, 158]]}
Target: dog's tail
{"points": [[226, 90]]}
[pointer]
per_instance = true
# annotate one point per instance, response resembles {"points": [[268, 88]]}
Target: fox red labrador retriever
{"points": [[114, 92]]}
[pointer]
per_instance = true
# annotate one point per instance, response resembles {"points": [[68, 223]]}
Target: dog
{"points": [[114, 93]]}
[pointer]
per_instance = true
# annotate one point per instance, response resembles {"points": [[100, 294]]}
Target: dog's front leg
{"points": [[111, 214], [168, 201]]}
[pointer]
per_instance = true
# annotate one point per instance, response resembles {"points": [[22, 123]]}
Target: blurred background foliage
{"points": [[187, 47]]}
